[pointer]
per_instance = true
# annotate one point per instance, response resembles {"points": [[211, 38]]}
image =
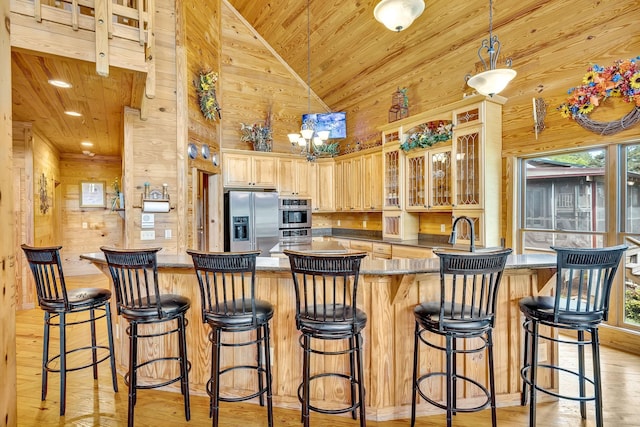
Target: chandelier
{"points": [[397, 15], [493, 80], [308, 139]]}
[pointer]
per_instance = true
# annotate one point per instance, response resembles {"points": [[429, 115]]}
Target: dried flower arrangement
{"points": [[206, 88]]}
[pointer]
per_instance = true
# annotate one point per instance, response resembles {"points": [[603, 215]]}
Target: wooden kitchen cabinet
{"points": [[249, 170], [372, 181], [429, 179], [323, 194], [295, 177], [393, 175]]}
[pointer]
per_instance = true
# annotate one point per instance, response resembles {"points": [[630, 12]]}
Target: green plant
{"points": [[331, 149], [429, 134], [632, 305]]}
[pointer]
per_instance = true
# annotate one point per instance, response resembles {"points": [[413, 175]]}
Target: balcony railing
{"points": [[130, 20]]}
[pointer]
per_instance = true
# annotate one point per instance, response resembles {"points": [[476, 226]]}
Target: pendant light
{"points": [[493, 80], [308, 138]]}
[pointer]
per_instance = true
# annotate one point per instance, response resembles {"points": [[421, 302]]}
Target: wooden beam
{"points": [[102, 38]]}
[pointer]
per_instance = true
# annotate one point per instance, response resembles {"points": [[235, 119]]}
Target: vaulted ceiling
{"points": [[349, 51], [352, 53]]}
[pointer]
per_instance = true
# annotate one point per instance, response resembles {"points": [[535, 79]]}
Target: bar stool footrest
{"points": [[443, 406]]}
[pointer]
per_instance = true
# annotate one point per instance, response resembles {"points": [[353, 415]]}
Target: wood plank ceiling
{"points": [[100, 100], [350, 51]]}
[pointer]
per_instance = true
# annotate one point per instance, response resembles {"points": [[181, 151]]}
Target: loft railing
{"points": [[123, 19]]}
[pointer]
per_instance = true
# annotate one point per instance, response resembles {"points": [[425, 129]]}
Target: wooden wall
{"points": [[46, 230], [152, 151], [23, 188], [86, 229], [8, 400], [254, 81]]}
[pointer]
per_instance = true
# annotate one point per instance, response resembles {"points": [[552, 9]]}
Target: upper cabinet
{"points": [[323, 195], [461, 176], [249, 169], [372, 181], [294, 177]]}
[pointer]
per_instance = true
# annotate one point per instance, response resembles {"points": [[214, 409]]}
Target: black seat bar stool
{"points": [[584, 278], [134, 273], [469, 284], [227, 291], [326, 288], [57, 302]]}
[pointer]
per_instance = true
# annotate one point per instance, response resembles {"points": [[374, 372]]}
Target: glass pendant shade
{"points": [[397, 15], [293, 137], [323, 135], [491, 82], [307, 133]]}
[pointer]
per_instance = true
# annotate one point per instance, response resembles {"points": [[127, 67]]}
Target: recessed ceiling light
{"points": [[86, 144], [60, 83], [73, 113]]}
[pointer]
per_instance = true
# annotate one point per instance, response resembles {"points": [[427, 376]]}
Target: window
{"points": [[565, 202]]}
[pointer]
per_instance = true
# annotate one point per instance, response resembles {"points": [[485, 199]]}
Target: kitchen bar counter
{"points": [[390, 289]]}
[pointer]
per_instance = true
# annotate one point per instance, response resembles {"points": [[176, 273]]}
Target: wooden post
{"points": [[102, 38], [8, 387]]}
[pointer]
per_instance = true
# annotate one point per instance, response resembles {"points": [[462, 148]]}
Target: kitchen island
{"points": [[389, 291]]}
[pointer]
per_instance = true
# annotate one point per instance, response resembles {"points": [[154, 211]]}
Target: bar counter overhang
{"points": [[389, 291]]}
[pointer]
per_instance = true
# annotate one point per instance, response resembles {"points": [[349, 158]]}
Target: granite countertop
{"points": [[390, 267]]}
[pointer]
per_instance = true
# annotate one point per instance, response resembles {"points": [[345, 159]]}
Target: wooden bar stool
{"points": [[326, 288], [581, 302], [469, 284], [227, 291], [134, 273], [57, 302]]}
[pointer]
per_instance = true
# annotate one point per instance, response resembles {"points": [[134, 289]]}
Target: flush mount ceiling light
{"points": [[86, 144], [73, 113], [60, 83], [493, 80], [397, 15]]}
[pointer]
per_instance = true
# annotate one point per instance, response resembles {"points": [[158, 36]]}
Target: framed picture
{"points": [[92, 194]]}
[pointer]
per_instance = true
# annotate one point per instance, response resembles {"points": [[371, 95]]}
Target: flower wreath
{"points": [[206, 88], [622, 79]]}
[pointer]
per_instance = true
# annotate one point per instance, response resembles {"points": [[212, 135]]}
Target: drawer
{"points": [[401, 251], [361, 246], [382, 249]]}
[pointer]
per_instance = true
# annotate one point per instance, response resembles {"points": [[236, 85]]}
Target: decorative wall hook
{"points": [[539, 113]]}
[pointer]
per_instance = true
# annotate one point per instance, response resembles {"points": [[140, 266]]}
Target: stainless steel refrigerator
{"points": [[251, 221]]}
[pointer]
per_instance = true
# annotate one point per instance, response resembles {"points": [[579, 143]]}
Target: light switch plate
{"points": [[147, 234]]}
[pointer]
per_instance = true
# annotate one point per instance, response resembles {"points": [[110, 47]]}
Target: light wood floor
{"points": [[92, 403]]}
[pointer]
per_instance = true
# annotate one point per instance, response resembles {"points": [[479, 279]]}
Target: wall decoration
{"points": [[258, 134], [620, 80], [539, 114], [92, 194], [44, 196], [399, 105], [206, 88], [428, 134]]}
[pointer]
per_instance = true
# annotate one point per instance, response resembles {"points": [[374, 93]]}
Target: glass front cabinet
{"points": [[461, 175]]}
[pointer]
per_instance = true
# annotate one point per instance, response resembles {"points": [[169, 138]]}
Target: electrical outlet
{"points": [[338, 223], [85, 225], [364, 224], [167, 234], [442, 228], [147, 234]]}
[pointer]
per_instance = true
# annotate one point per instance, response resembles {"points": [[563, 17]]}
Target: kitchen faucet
{"points": [[452, 238]]}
